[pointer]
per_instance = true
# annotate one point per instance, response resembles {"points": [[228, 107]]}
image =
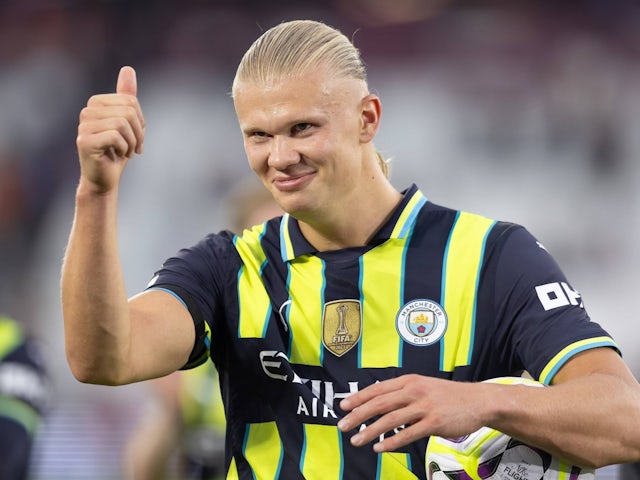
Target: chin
{"points": [[292, 203]]}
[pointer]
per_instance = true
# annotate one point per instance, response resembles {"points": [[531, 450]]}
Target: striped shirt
{"points": [[292, 331]]}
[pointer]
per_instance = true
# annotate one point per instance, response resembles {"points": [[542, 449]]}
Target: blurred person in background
{"points": [[341, 210], [24, 395], [24, 381], [182, 427]]}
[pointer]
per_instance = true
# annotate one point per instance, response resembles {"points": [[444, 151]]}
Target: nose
{"points": [[282, 152]]}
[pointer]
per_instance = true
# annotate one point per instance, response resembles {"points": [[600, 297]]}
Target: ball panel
{"points": [[488, 454]]}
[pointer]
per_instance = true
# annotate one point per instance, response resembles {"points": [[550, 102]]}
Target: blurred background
{"points": [[525, 111]]}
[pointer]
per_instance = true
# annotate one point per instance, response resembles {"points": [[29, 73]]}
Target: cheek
{"points": [[256, 157]]}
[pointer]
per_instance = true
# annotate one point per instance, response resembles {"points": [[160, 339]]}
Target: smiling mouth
{"points": [[289, 184]]}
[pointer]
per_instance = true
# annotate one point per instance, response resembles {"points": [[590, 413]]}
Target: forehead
{"points": [[321, 94]]}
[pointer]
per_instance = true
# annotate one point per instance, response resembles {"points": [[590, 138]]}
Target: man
{"points": [[362, 316], [24, 393]]}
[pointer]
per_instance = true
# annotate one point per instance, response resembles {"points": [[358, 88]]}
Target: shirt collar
{"points": [[293, 243]]}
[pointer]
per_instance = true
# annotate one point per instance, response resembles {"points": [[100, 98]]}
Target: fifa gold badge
{"points": [[341, 325]]}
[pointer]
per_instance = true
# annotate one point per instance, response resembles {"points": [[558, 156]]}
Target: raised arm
{"points": [[108, 339]]}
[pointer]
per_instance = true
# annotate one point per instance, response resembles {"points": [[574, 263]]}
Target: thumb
{"points": [[127, 82]]}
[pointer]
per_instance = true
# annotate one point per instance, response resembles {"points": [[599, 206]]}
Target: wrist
{"points": [[510, 404], [88, 191]]}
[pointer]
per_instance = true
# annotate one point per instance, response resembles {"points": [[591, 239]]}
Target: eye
{"points": [[300, 128], [257, 136]]}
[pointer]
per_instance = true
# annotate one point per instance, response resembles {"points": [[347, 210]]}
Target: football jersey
{"points": [[24, 384], [292, 331]]}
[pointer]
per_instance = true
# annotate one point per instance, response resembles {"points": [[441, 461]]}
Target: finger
{"points": [[379, 405], [403, 436], [393, 421], [115, 105], [102, 143], [116, 128], [371, 392], [111, 115], [127, 82]]}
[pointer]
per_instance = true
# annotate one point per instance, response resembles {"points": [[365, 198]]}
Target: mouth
{"points": [[293, 182]]}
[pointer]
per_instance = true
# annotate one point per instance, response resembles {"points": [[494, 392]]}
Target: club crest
{"points": [[421, 322], [341, 325]]}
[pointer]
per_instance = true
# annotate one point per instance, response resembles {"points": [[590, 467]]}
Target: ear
{"points": [[371, 111]]}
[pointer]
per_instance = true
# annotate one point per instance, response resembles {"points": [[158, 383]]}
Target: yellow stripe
{"points": [[232, 474], [556, 362], [255, 305], [446, 452], [263, 450], [200, 400], [563, 470], [404, 216], [21, 412], [469, 458], [395, 465], [381, 275], [306, 278], [462, 265], [322, 453], [285, 239], [10, 335]]}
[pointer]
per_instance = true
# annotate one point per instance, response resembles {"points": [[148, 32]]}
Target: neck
{"points": [[356, 223]]}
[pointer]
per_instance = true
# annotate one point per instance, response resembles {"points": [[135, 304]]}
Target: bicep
{"points": [[162, 333], [603, 360]]}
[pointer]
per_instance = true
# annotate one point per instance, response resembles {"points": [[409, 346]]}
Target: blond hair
{"points": [[293, 49]]}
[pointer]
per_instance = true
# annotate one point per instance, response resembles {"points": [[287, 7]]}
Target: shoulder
{"points": [[463, 223], [209, 262], [517, 249], [213, 246], [508, 244]]}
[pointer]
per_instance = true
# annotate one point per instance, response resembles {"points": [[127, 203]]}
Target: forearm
{"points": [[591, 421], [94, 299], [590, 416]]}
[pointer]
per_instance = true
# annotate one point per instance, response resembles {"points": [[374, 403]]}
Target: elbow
{"points": [[592, 463], [93, 373], [613, 454], [87, 375], [624, 455]]}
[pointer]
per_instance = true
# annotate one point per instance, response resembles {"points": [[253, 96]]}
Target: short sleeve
{"points": [[197, 276], [541, 318]]}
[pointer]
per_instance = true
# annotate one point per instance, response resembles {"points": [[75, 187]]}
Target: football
{"points": [[488, 454]]}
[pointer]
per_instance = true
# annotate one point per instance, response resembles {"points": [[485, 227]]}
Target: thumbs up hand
{"points": [[110, 131]]}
